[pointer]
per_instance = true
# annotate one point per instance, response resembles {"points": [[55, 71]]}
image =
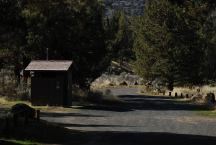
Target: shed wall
{"points": [[52, 88]]}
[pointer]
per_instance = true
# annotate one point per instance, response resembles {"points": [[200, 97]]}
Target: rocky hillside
{"points": [[130, 7], [118, 75]]}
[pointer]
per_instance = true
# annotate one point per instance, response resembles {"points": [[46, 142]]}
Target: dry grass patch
{"points": [[5, 103], [204, 90], [194, 90]]}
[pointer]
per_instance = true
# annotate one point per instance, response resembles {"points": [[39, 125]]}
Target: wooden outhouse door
{"points": [[47, 91]]}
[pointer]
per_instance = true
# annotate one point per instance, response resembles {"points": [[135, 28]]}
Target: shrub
{"points": [[102, 96]]}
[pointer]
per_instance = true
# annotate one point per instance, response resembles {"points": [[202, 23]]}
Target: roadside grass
{"points": [[207, 113], [181, 90], [193, 90], [19, 142], [81, 97], [183, 101], [4, 102]]}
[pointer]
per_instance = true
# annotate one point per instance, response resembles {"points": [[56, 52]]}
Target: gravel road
{"points": [[140, 115]]}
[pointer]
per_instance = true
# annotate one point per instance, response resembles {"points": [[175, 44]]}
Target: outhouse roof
{"points": [[49, 65]]}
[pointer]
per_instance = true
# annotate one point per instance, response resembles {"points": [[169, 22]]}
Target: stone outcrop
{"points": [[118, 75], [124, 79]]}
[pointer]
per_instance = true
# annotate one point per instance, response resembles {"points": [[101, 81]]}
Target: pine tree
{"points": [[171, 40], [71, 29], [118, 37]]}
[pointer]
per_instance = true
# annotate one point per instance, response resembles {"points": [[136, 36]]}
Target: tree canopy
{"points": [[119, 37], [173, 41], [71, 29]]}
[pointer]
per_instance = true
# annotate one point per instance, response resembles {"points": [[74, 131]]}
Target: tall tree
{"points": [[118, 37], [12, 34], [71, 29], [171, 39]]}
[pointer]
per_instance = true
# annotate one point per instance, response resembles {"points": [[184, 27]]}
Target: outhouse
{"points": [[51, 82]]}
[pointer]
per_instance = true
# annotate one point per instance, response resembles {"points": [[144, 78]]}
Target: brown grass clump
{"points": [[103, 96], [203, 90]]}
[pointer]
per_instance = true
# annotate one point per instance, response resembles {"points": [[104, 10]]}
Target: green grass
{"points": [[207, 113], [6, 102], [20, 142]]}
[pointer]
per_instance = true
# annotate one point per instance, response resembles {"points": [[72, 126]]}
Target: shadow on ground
{"points": [[142, 102], [134, 138], [65, 114], [48, 133], [90, 125]]}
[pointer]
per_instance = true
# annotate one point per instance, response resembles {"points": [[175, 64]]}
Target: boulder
{"points": [[124, 78], [123, 83], [158, 84], [197, 98], [210, 101]]}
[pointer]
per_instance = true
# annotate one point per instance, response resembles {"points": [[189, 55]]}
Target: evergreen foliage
{"points": [[173, 41], [71, 29], [119, 37]]}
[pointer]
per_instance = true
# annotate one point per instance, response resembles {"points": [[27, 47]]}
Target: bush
{"points": [[14, 92], [102, 96], [210, 101], [79, 94], [95, 96]]}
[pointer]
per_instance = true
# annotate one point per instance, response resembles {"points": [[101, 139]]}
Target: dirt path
{"points": [[138, 114], [139, 120]]}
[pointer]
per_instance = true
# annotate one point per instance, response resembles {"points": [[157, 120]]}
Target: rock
{"points": [[197, 98], [136, 83], [158, 85], [210, 101], [125, 79], [123, 83]]}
